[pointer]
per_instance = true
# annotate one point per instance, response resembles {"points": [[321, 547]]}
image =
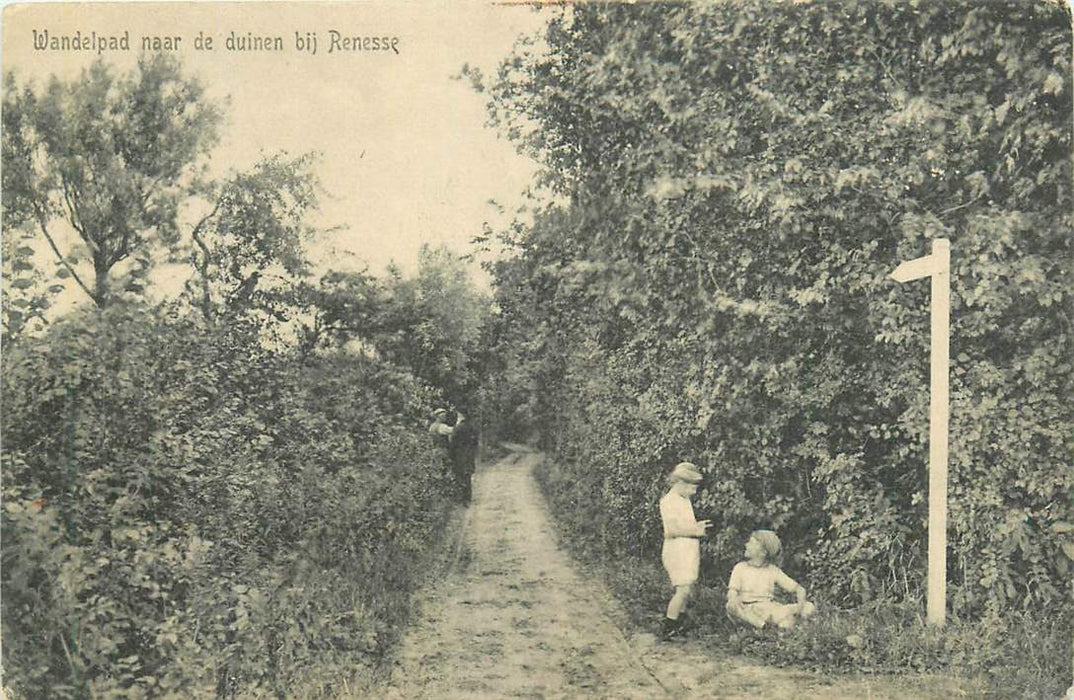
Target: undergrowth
{"points": [[1016, 654], [218, 521]]}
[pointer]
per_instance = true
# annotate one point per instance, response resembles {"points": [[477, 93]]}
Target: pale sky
{"points": [[406, 157]]}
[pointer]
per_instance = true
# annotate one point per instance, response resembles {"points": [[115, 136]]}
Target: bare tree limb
{"points": [[42, 222], [143, 197], [960, 206], [196, 235], [74, 214], [67, 654], [203, 267]]}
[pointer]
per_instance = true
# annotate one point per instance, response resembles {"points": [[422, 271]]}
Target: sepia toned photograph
{"points": [[703, 349]]}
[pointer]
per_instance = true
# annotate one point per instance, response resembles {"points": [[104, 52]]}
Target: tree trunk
{"points": [[101, 290]]}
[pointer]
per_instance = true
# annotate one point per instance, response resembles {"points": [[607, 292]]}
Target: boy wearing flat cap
{"points": [[682, 546]]}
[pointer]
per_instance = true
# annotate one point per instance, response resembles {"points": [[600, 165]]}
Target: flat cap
{"points": [[686, 471]]}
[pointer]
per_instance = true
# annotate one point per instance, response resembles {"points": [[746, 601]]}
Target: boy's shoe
{"points": [[670, 629]]}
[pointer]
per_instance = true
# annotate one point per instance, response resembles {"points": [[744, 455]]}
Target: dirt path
{"points": [[514, 619]]}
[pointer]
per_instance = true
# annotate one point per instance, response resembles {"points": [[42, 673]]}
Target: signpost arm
{"points": [[938, 425]]}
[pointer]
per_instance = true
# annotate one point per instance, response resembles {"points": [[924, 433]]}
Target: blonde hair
{"points": [[769, 541]]}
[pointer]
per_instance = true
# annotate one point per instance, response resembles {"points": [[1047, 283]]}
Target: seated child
{"points": [[750, 592], [681, 554]]}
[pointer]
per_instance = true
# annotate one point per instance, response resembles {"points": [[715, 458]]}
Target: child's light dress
{"points": [[682, 549], [756, 592]]}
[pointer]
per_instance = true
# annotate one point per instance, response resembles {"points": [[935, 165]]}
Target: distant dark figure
{"points": [[462, 453]]}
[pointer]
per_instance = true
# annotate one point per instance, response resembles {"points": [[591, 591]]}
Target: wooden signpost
{"points": [[938, 267]]}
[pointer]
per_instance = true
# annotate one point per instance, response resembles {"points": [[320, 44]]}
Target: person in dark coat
{"points": [[462, 453]]}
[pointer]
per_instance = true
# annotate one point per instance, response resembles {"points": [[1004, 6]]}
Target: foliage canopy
{"points": [[739, 179], [112, 156]]}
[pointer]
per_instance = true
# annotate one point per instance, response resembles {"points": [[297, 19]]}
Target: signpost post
{"points": [[938, 267]]}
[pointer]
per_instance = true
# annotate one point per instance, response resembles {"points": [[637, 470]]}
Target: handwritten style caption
{"points": [[330, 42]]}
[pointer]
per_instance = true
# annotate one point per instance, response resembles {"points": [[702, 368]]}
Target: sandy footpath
{"points": [[513, 618]]}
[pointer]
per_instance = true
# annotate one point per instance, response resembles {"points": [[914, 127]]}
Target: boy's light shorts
{"points": [[682, 560]]}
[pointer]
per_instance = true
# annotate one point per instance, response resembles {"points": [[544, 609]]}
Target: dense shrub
{"points": [[1022, 655], [188, 512], [735, 182]]}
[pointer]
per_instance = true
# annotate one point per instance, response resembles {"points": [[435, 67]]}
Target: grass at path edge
{"points": [[1012, 655]]}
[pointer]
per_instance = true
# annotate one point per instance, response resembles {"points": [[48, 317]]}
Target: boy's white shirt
{"points": [[677, 514]]}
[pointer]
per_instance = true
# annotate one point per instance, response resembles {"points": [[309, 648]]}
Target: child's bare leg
{"points": [[678, 601]]}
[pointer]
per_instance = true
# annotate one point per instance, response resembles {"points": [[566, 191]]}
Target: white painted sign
{"points": [[938, 267]]}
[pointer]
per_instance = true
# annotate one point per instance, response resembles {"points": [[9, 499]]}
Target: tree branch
{"points": [[42, 221], [196, 235], [203, 268], [153, 182], [959, 206], [74, 214], [124, 247], [67, 654]]}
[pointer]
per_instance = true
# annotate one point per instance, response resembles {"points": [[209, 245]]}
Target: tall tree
{"points": [[109, 156], [343, 307], [248, 250], [432, 323]]}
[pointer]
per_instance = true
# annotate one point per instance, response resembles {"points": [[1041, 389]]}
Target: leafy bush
{"points": [[735, 185], [186, 512], [1018, 655]]}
